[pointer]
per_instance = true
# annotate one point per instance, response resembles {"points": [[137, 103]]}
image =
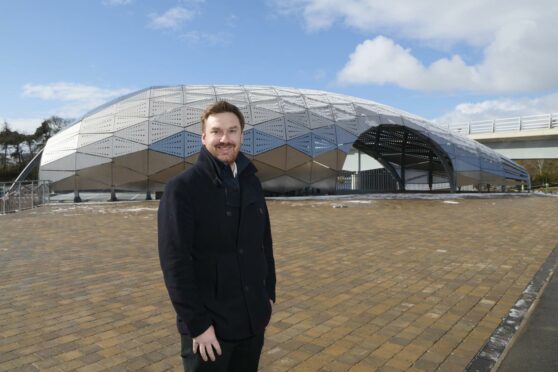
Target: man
{"points": [[216, 252]]}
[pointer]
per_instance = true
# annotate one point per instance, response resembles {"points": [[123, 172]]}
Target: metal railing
{"points": [[376, 180], [521, 123], [18, 196]]}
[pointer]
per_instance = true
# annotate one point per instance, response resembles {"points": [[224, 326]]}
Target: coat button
{"points": [[240, 251], [245, 288], [229, 213]]}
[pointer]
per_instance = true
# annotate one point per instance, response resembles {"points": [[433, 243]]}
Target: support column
{"points": [[403, 160], [32, 195], [112, 190], [77, 199], [148, 192], [430, 176], [113, 195]]}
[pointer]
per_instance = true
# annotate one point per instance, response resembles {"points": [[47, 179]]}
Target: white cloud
{"points": [[518, 42], [516, 61], [474, 21], [381, 61], [500, 108], [231, 20], [172, 18], [200, 37], [116, 2], [76, 98]]}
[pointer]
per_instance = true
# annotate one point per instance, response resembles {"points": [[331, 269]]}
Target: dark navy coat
{"points": [[217, 260]]}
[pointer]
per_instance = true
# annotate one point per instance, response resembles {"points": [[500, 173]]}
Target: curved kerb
{"points": [[495, 349]]}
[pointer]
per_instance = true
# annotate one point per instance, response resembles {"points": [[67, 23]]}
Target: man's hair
{"points": [[220, 107]]}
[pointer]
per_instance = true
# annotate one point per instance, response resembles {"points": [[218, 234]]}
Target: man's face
{"points": [[222, 136]]}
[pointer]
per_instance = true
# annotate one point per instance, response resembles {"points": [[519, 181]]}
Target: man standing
{"points": [[216, 252]]}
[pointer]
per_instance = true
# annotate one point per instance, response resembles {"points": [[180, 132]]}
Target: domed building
{"points": [[297, 138]]}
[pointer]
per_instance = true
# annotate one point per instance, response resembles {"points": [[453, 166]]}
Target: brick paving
{"points": [[386, 285]]}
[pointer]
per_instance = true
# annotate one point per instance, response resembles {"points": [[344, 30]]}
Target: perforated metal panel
{"points": [[264, 142], [165, 104], [99, 148], [344, 137], [302, 143], [133, 108], [298, 118], [191, 115], [248, 144], [85, 139], [104, 124], [123, 146], [260, 115], [295, 130], [173, 145], [320, 145], [193, 144], [351, 126], [327, 133], [137, 133], [66, 163], [83, 161], [158, 131], [274, 127]]}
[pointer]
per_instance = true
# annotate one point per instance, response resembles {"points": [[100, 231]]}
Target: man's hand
{"points": [[206, 342]]}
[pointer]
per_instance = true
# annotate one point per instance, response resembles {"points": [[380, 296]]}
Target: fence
{"points": [[523, 123], [23, 195], [376, 180]]}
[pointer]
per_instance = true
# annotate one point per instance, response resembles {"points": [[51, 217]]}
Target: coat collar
{"points": [[213, 167]]}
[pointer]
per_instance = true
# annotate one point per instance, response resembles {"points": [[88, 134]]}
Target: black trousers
{"points": [[237, 356]]}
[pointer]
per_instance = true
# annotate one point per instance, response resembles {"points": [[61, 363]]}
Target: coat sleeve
{"points": [[176, 238], [268, 250]]}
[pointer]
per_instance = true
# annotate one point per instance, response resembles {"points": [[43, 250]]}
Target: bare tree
{"points": [[5, 138], [540, 166]]}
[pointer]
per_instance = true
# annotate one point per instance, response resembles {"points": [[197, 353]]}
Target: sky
{"points": [[447, 61]]}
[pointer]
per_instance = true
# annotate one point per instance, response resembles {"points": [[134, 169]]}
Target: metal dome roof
{"points": [[296, 137]]}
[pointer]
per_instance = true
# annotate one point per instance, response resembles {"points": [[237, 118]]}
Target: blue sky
{"points": [[445, 61]]}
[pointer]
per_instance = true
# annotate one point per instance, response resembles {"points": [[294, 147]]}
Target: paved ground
{"points": [[391, 285], [535, 349]]}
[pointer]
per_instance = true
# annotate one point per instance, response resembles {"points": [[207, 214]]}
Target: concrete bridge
{"points": [[519, 138]]}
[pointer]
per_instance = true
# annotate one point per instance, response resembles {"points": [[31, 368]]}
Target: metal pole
{"points": [[359, 155], [32, 194], [19, 195]]}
